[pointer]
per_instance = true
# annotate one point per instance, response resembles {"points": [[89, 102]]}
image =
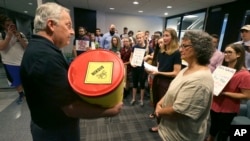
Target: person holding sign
{"points": [[226, 105], [81, 43], [136, 60], [184, 109]]}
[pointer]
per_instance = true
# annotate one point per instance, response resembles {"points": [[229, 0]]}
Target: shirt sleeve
{"points": [[220, 60], [193, 99], [245, 82], [52, 73]]}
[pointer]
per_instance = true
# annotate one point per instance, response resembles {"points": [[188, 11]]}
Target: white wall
{"points": [[133, 22]]}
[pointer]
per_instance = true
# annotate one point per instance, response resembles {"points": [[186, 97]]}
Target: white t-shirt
{"points": [[13, 54]]}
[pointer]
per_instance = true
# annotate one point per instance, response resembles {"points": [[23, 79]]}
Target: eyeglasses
{"points": [[185, 46], [228, 52]]}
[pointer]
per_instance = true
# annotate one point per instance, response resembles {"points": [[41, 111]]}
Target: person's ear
{"points": [[51, 25]]}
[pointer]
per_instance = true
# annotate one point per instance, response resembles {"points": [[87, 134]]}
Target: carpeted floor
{"points": [[131, 124]]}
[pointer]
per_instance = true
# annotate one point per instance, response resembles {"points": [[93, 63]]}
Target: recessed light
{"points": [[30, 3], [112, 8], [25, 11], [140, 11], [169, 6], [135, 2], [166, 14]]}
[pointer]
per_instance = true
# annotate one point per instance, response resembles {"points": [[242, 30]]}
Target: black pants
{"points": [[66, 133], [220, 124], [139, 75], [159, 89]]}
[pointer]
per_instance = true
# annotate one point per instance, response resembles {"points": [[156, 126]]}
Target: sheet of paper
{"points": [[138, 56], [92, 45], [222, 76], [82, 45], [149, 67]]}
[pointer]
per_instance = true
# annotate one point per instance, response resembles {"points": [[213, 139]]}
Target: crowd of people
{"points": [[184, 103]]}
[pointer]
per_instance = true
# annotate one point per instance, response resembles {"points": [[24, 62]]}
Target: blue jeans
{"points": [[66, 133]]}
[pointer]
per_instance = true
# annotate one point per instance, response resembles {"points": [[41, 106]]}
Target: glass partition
{"points": [[186, 22], [192, 21], [173, 23]]}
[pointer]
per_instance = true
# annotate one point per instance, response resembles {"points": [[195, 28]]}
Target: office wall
{"points": [[133, 22]]}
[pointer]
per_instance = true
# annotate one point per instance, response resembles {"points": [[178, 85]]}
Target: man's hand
{"points": [[114, 110]]}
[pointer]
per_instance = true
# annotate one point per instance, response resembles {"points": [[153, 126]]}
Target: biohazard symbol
{"points": [[102, 75]]}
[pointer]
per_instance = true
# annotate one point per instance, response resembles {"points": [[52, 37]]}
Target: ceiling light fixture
{"points": [[190, 16], [25, 11], [112, 8], [169, 6], [166, 14], [140, 11], [30, 3], [135, 2]]}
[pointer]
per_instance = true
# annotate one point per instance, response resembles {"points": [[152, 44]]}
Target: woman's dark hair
{"points": [[239, 49], [130, 32], [3, 19], [156, 52]]}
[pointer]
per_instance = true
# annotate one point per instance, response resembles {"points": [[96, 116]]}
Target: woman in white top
{"points": [[12, 46]]}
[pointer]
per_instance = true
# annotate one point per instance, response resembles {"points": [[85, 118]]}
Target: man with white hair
{"points": [[54, 107]]}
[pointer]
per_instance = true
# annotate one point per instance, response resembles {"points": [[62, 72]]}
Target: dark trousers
{"points": [[67, 133], [139, 75], [159, 89], [220, 125]]}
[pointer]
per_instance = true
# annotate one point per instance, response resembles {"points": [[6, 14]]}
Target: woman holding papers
{"points": [[226, 106], [184, 109], [168, 64], [136, 60]]}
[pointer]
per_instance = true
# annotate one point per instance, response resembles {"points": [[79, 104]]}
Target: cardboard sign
{"points": [[222, 76], [138, 56], [82, 45]]}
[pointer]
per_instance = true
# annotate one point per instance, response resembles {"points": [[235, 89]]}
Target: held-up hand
{"points": [[147, 57], [18, 35], [11, 30]]}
